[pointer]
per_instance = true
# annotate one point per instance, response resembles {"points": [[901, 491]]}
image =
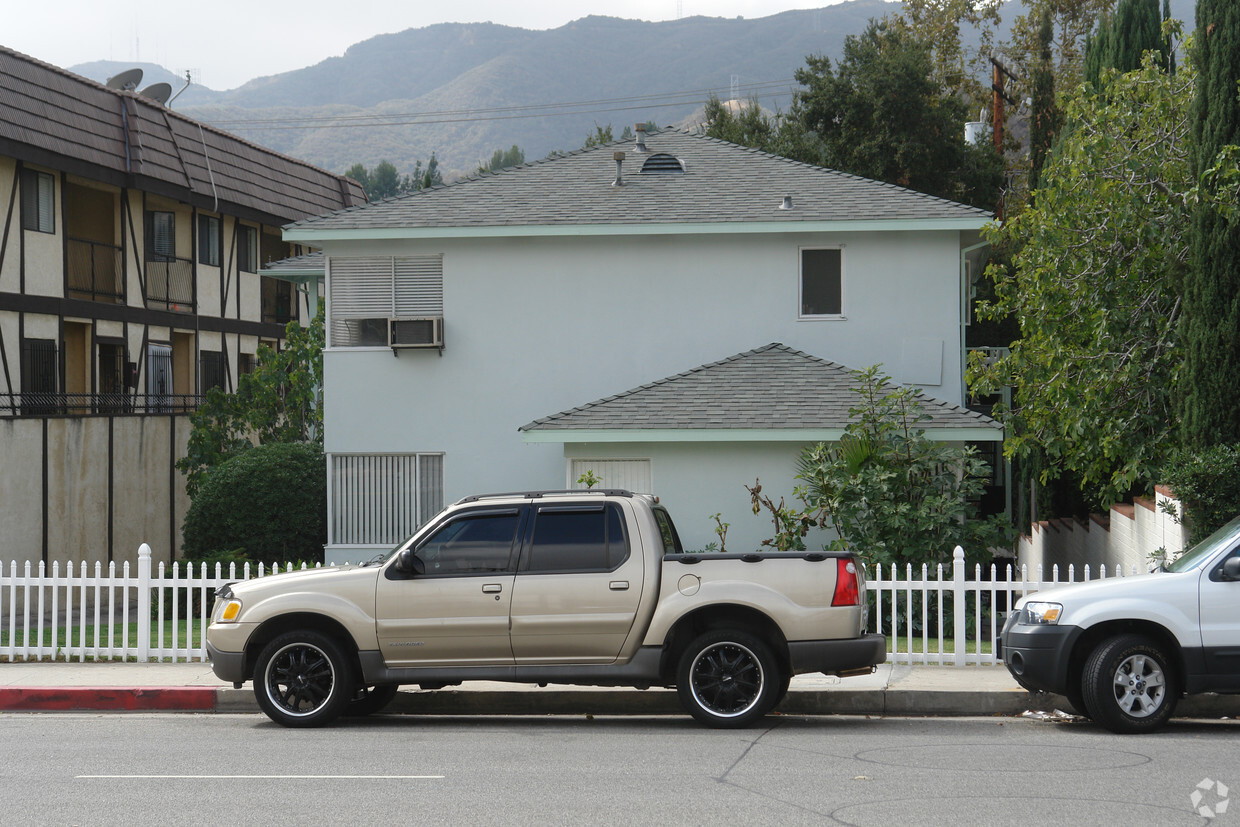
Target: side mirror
{"points": [[1231, 568], [408, 562]]}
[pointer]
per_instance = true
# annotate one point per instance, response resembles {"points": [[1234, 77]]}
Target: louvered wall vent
{"points": [[663, 162]]}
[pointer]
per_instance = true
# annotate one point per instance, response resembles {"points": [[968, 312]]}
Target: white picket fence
{"points": [[161, 614]]}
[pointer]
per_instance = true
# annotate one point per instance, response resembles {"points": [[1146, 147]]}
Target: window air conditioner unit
{"points": [[424, 331]]}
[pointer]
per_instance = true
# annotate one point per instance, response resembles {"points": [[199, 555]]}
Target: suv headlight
{"points": [[1042, 614], [226, 611]]}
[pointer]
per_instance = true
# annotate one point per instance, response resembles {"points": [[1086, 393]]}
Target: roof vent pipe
{"points": [[640, 129], [619, 156], [787, 205]]}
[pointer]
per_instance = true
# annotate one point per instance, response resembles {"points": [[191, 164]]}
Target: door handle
{"points": [[492, 588], [618, 585]]}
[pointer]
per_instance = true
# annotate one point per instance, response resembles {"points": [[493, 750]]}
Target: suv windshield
{"points": [[1204, 551]]}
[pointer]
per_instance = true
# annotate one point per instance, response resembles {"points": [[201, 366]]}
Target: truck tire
{"points": [[1129, 685], [303, 679], [727, 678], [367, 700]]}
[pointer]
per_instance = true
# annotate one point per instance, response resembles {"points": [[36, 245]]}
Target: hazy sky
{"points": [[228, 42]]}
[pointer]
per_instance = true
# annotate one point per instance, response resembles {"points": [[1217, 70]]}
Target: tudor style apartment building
{"points": [[131, 243]]}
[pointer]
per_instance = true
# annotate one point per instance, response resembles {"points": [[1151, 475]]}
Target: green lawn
{"points": [[120, 635]]}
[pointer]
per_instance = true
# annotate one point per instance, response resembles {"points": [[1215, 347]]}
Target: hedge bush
{"points": [[269, 502], [1207, 483]]}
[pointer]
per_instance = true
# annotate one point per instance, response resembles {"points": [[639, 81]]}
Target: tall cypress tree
{"points": [[1122, 39], [1137, 29], [1045, 121], [1168, 46], [1210, 382]]}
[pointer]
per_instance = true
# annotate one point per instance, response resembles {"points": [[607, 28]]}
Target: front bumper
{"points": [[1038, 656], [227, 666], [835, 656]]}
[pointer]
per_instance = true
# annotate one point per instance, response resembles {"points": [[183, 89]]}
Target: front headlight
{"points": [[1042, 614], [226, 611]]}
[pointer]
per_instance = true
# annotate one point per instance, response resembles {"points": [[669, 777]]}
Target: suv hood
{"points": [[1133, 585]]}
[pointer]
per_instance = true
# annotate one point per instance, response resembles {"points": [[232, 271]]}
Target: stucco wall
{"points": [[536, 326], [696, 480]]}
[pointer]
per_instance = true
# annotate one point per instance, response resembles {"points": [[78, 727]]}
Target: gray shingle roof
{"points": [[309, 262], [772, 387], [721, 183], [54, 118]]}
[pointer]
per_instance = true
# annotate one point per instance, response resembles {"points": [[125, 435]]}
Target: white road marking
{"points": [[267, 777]]}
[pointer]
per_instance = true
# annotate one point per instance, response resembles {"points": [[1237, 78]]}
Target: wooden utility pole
{"points": [[998, 80]]}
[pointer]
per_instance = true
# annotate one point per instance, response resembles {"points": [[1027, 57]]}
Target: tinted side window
{"points": [[667, 532], [569, 539], [471, 545]]}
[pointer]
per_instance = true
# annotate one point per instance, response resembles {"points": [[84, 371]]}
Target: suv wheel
{"points": [[1128, 684], [728, 678], [303, 679]]}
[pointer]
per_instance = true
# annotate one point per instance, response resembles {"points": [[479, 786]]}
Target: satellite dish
{"points": [[158, 92], [127, 80]]}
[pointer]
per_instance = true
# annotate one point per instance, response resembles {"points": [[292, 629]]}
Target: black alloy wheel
{"points": [[303, 679], [728, 679]]}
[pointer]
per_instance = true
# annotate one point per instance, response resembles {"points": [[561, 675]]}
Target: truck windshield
{"points": [[1204, 551]]}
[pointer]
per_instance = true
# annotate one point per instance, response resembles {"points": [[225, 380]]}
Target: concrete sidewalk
{"points": [[894, 689]]}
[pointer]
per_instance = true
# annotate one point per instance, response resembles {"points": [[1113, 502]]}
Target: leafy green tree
{"points": [[601, 135], [1210, 385], [1072, 21], [1207, 484], [961, 72], [267, 504], [385, 181], [892, 494], [503, 159], [747, 125], [1093, 285], [277, 403], [1168, 48], [880, 114], [432, 176]]}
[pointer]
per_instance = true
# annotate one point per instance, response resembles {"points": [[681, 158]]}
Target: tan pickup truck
{"points": [[568, 587]]}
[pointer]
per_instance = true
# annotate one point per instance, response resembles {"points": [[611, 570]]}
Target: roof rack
{"points": [[534, 495]]}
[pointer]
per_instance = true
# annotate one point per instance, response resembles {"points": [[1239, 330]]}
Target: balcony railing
{"points": [[170, 283], [83, 404], [94, 270]]}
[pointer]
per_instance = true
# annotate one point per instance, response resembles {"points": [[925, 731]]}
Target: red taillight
{"points": [[845, 584]]}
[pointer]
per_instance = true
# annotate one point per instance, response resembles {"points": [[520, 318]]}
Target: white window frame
{"points": [[382, 288], [818, 317]]}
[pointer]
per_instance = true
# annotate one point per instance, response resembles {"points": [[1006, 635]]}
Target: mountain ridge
{"points": [[463, 90]]}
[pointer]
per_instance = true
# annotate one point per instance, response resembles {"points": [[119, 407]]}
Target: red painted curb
{"points": [[61, 699]]}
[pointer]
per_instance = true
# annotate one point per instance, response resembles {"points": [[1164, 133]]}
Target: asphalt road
{"points": [[241, 769]]}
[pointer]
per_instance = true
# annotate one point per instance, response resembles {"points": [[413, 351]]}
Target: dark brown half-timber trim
{"points": [[85, 309]]}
